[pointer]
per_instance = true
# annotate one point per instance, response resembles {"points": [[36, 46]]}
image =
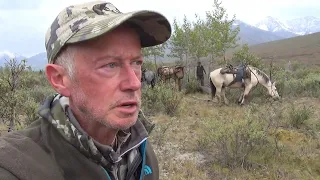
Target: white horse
{"points": [[222, 77]]}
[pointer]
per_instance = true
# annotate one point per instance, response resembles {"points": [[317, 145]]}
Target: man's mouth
{"points": [[128, 104], [127, 107]]}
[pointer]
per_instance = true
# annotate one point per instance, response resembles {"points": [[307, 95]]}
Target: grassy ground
{"points": [[270, 140], [3, 129]]}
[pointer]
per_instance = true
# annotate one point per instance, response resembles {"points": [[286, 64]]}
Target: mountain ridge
{"points": [[297, 26]]}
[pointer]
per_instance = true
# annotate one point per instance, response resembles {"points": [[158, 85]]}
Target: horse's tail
{"points": [[213, 88]]}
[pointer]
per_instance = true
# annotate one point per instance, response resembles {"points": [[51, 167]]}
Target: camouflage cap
{"points": [[82, 22]]}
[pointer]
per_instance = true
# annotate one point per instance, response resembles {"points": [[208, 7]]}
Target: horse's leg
{"points": [[245, 93], [223, 91], [240, 98], [217, 98]]}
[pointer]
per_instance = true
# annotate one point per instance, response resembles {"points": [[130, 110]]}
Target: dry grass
{"points": [[184, 153], [3, 129]]}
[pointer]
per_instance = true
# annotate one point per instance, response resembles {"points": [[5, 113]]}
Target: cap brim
{"points": [[153, 27]]}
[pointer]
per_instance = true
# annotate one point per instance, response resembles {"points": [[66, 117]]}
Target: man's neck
{"points": [[96, 130], [99, 132]]}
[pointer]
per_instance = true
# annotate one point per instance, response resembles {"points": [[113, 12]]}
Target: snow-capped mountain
{"points": [[271, 24], [6, 55], [290, 28], [274, 25], [36, 62], [252, 35], [304, 25]]}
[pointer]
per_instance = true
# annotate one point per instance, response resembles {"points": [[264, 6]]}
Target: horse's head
{"points": [[273, 91]]}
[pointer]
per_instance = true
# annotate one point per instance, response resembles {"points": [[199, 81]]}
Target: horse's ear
{"points": [[274, 83]]}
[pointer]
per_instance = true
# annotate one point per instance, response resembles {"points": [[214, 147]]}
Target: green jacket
{"points": [[49, 150]]}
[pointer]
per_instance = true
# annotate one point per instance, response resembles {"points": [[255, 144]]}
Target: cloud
{"points": [[19, 4], [26, 22], [45, 11], [252, 11], [171, 9], [7, 53]]}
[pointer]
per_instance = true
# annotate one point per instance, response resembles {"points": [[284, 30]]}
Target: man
{"points": [[92, 128], [199, 73]]}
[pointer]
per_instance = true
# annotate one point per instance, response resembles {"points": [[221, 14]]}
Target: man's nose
{"points": [[131, 79]]}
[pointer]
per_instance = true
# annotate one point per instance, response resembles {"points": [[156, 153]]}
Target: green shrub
{"points": [[162, 98], [30, 109], [170, 99], [237, 141], [298, 117], [40, 93], [192, 86], [151, 100], [308, 86], [303, 82]]}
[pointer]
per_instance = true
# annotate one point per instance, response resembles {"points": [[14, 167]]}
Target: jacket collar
{"points": [[56, 110]]}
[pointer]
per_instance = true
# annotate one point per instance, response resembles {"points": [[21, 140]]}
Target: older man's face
{"points": [[107, 79]]}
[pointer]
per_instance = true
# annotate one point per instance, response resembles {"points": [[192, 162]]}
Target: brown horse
{"points": [[166, 73]]}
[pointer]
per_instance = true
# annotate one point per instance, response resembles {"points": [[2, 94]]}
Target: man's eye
{"points": [[138, 62], [111, 65]]}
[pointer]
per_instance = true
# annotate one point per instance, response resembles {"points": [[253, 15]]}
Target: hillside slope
{"points": [[301, 48], [305, 49]]}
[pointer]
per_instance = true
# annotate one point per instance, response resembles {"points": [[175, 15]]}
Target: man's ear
{"points": [[58, 78]]}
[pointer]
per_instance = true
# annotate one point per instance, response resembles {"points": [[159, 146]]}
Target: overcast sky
{"points": [[23, 23]]}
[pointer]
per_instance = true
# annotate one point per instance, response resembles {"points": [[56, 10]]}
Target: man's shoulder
{"points": [[18, 139], [14, 144], [19, 143], [22, 154]]}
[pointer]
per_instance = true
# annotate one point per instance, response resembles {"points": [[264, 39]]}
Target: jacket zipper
{"points": [[105, 171], [143, 150]]}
